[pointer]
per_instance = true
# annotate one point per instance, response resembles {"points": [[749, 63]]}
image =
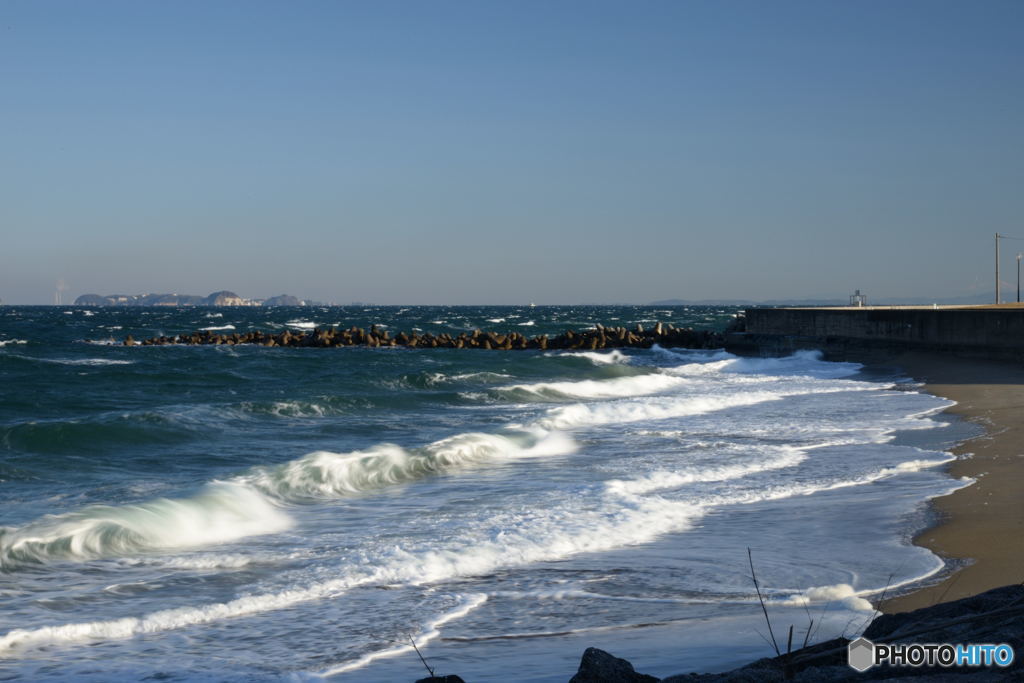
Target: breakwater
{"points": [[996, 331], [598, 337]]}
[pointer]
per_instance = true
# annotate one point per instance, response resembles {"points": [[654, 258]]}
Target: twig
{"points": [[852, 619], [760, 599], [948, 586], [810, 623], [788, 671], [763, 637], [821, 617], [429, 670], [881, 599]]}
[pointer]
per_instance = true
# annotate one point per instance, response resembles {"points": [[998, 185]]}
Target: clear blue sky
{"points": [[507, 152]]}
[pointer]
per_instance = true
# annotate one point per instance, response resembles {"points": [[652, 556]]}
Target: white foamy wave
{"points": [[324, 474], [575, 593], [587, 522], [85, 361], [663, 480], [692, 355], [286, 409], [526, 538], [842, 593], [916, 465], [214, 315], [206, 562], [217, 327], [613, 357], [582, 414], [6, 342], [436, 378], [619, 387], [221, 512], [809, 488], [428, 633], [801, 363], [301, 324], [495, 320], [528, 323], [479, 375]]}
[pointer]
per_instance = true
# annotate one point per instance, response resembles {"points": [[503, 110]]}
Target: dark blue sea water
{"points": [[250, 513]]}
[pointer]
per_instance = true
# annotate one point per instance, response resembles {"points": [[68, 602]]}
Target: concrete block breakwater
{"points": [[990, 331], [600, 337]]}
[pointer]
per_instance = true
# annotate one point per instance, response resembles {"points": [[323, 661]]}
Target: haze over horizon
{"points": [[467, 153]]}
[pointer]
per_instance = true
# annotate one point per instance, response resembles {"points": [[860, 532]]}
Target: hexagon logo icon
{"points": [[860, 654]]}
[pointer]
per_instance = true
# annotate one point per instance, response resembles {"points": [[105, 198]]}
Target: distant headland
{"points": [[222, 298]]}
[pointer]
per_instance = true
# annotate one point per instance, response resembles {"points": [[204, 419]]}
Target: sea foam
{"points": [[635, 385], [250, 504]]}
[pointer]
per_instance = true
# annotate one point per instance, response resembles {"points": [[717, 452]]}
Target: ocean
{"points": [[214, 513]]}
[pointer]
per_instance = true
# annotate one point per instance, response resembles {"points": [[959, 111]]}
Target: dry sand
{"points": [[982, 523]]}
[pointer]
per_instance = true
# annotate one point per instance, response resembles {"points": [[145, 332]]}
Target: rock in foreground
{"points": [[597, 666]]}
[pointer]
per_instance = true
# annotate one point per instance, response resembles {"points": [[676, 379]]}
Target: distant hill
{"points": [[283, 300], [221, 298]]}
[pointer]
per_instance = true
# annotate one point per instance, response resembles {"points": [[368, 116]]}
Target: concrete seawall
{"points": [[995, 331]]}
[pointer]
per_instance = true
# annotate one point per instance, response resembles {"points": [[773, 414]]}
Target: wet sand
{"points": [[982, 524]]}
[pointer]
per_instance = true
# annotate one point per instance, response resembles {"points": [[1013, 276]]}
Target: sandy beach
{"points": [[980, 524]]}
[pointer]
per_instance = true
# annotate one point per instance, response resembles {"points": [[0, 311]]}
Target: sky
{"points": [[484, 152]]}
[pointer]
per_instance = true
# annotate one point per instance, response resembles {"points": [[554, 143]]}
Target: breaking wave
{"points": [[619, 387], [221, 512], [252, 504], [324, 474]]}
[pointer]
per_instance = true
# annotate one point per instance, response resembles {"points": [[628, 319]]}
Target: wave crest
{"points": [[222, 511], [324, 474]]}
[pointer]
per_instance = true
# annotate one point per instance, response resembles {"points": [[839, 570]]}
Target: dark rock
{"points": [[450, 678], [597, 666], [598, 338], [996, 616], [961, 621]]}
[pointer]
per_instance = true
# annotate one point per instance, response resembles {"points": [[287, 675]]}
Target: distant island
{"points": [[222, 298]]}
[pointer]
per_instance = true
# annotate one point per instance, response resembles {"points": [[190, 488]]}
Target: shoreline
{"points": [[978, 526]]}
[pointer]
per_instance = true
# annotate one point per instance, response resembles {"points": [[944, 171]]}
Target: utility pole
{"points": [[1018, 275], [997, 267]]}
